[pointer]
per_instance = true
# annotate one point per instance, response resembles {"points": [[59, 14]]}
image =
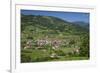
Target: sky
{"points": [[67, 16]]}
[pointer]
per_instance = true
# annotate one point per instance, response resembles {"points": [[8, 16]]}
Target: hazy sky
{"points": [[67, 16]]}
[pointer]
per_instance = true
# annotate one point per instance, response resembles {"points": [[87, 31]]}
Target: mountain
{"points": [[51, 23], [82, 24]]}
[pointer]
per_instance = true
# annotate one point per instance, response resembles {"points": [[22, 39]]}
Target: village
{"points": [[54, 44]]}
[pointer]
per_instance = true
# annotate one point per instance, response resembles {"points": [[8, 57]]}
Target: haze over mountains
{"points": [[82, 24]]}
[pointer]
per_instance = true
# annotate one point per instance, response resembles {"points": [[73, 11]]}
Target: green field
{"points": [[40, 56]]}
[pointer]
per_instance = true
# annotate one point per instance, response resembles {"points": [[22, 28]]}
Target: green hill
{"points": [[51, 23]]}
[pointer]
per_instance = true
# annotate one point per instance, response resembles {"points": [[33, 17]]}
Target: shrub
{"points": [[60, 53], [84, 47], [25, 58]]}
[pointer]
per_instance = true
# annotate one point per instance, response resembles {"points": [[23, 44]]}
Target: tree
{"points": [[84, 47], [72, 43]]}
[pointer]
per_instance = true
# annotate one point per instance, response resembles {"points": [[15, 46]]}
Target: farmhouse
{"points": [[28, 44], [56, 44]]}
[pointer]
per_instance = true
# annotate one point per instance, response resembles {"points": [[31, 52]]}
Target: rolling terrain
{"points": [[48, 38]]}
